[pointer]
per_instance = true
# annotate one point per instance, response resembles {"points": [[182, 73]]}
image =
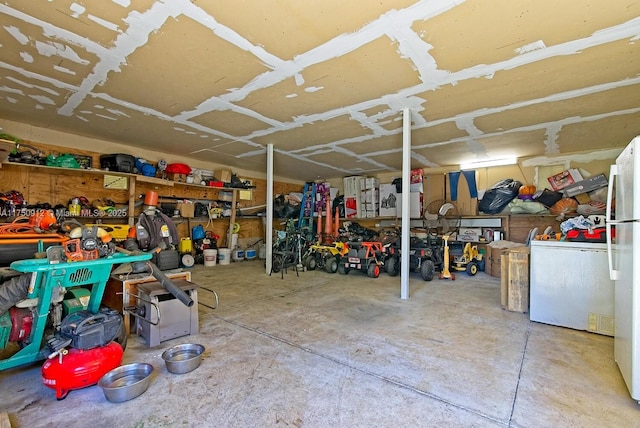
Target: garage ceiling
{"points": [[326, 81]]}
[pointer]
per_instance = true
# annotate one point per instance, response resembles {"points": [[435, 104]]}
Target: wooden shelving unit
{"points": [[135, 183]]}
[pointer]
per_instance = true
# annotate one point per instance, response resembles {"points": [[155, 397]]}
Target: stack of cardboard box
{"points": [[352, 204], [370, 198], [415, 195], [361, 196]]}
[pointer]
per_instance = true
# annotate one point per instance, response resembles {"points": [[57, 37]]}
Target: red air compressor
{"points": [[77, 368]]}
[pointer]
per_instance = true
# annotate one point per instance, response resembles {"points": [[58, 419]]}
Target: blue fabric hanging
{"points": [[454, 176], [470, 176]]}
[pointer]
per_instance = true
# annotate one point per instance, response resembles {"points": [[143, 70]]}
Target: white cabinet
{"points": [[570, 286]]}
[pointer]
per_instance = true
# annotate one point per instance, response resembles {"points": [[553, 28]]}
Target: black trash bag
{"points": [[278, 206], [290, 211], [547, 197], [398, 183], [338, 202], [201, 210], [499, 196]]}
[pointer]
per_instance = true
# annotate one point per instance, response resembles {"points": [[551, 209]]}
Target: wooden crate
{"points": [[514, 282]]}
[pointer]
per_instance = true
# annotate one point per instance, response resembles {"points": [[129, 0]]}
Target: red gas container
{"points": [[80, 368]]}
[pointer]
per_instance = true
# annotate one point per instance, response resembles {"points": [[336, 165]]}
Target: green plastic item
{"points": [[62, 161], [76, 300]]}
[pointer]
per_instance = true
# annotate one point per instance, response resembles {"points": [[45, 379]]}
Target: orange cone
{"points": [[327, 224], [319, 227]]}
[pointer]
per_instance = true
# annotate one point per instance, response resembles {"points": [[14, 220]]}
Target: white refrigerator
{"points": [[624, 261]]}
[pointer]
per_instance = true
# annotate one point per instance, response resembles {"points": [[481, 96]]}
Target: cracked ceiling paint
{"points": [[325, 81]]}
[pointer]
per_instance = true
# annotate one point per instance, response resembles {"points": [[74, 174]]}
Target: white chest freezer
{"points": [[570, 286]]}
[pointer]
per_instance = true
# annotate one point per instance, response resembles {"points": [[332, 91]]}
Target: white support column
{"points": [[269, 226], [406, 200]]}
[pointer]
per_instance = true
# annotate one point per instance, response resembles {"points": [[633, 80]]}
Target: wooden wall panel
{"points": [[57, 186]]}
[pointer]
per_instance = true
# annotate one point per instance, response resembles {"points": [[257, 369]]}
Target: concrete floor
{"points": [[324, 350]]}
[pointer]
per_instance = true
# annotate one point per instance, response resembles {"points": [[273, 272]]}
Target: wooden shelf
{"points": [[133, 179], [153, 180]]}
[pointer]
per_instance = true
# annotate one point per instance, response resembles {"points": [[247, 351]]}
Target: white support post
{"points": [[269, 226], [406, 200]]}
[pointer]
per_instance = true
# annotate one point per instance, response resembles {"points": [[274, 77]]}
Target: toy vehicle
{"points": [[470, 261], [421, 258], [363, 256], [327, 257]]}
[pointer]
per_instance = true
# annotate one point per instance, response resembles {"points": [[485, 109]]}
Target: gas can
{"points": [[197, 232], [80, 368], [185, 246]]}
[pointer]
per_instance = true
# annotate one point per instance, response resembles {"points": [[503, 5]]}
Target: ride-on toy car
{"points": [[327, 257], [363, 256], [421, 258], [471, 261]]}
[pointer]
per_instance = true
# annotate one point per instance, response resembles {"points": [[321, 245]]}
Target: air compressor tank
{"points": [[80, 368]]}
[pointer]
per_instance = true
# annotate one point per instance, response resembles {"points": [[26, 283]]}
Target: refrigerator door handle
{"points": [[613, 172]]}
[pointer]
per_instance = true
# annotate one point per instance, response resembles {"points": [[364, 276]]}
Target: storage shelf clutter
{"points": [[55, 187]]}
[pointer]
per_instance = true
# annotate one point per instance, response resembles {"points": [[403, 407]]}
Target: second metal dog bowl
{"points": [[183, 358], [126, 382]]}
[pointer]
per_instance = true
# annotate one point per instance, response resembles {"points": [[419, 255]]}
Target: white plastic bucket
{"points": [[210, 257], [262, 253], [250, 254], [237, 255], [224, 256]]}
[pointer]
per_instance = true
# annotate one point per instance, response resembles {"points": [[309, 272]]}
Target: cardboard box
{"points": [[493, 263], [351, 207], [416, 180], [223, 175], [415, 205], [351, 186], [388, 198], [564, 179], [371, 183], [187, 210], [469, 234], [225, 196], [592, 183], [370, 196], [180, 178]]}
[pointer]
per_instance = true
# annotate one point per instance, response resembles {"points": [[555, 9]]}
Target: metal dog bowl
{"points": [[126, 382], [184, 358]]}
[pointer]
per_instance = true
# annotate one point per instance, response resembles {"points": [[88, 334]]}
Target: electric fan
{"points": [[442, 215]]}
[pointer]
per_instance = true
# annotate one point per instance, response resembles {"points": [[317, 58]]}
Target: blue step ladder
{"points": [[307, 208]]}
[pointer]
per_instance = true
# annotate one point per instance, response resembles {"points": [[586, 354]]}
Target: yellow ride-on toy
{"points": [[327, 257], [470, 260]]}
